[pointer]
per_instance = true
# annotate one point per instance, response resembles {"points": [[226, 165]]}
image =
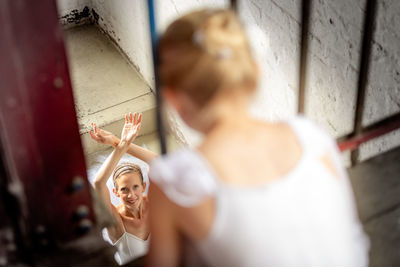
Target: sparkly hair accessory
{"points": [[224, 53], [198, 39]]}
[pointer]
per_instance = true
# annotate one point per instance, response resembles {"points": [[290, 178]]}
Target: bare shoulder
{"points": [[156, 196], [119, 208], [160, 205], [194, 222]]}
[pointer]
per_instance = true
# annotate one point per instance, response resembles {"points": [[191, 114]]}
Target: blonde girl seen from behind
{"points": [[254, 193]]}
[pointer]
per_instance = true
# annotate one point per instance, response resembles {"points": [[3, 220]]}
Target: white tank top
{"points": [[129, 246], [306, 218]]}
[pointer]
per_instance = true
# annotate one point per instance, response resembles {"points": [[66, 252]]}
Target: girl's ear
{"points": [[144, 186], [183, 104], [173, 98], [115, 192]]}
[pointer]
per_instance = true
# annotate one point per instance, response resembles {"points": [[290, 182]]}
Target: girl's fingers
{"points": [[92, 135], [140, 118], [134, 118]]}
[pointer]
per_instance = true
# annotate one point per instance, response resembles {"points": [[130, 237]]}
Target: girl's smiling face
{"points": [[130, 188]]}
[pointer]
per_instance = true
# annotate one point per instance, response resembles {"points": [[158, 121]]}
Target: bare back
{"points": [[254, 154]]}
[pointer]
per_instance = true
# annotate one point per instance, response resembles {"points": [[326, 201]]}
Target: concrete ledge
{"points": [[105, 85]]}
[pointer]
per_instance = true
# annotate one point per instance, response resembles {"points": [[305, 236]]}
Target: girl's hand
{"points": [[102, 136], [131, 128]]}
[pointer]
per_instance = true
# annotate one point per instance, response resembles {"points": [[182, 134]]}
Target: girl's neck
{"points": [[224, 110], [136, 213]]}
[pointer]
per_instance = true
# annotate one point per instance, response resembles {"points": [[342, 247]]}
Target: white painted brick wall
{"points": [[334, 51]]}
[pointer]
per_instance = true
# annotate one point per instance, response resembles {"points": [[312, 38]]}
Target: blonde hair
{"points": [[204, 52], [125, 168]]}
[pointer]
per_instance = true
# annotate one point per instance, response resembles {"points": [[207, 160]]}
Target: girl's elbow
{"points": [[97, 184]]}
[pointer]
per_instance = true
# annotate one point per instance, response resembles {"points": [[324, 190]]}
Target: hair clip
{"points": [[198, 38], [224, 53]]}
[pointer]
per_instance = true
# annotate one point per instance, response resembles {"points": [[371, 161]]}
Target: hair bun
{"points": [[205, 52], [220, 35]]}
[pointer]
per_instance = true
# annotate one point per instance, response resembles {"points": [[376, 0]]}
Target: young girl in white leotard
{"points": [[130, 234], [253, 193]]}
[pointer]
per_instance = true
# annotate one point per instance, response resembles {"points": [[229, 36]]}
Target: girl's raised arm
{"points": [[104, 137]]}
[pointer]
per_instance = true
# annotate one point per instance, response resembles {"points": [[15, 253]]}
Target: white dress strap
{"points": [[310, 136], [319, 142]]}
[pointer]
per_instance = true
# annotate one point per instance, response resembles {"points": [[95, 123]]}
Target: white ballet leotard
{"points": [[129, 246]]}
